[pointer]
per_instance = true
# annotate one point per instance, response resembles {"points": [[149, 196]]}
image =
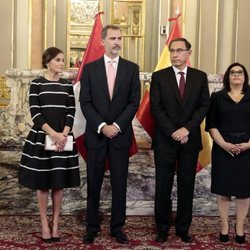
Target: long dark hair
{"points": [[49, 54], [226, 82]]}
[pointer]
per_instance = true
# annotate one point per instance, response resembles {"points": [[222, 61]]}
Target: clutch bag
{"points": [[49, 144]]}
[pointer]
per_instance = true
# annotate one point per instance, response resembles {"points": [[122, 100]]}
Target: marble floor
{"points": [[140, 191]]}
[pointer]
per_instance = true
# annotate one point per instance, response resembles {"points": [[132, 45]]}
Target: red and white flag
{"points": [[94, 51]]}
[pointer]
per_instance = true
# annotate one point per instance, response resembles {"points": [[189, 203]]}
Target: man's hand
{"points": [[184, 140], [181, 135], [110, 131]]}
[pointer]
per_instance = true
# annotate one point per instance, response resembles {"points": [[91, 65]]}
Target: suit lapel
{"points": [[120, 74], [188, 87], [101, 71], [174, 85]]}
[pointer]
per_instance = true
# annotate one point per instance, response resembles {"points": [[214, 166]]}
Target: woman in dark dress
{"points": [[52, 107], [228, 122]]}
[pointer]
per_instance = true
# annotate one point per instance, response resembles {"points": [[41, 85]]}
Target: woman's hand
{"points": [[243, 146], [60, 140], [231, 148]]}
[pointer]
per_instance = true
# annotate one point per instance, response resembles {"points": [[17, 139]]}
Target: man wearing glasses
{"points": [[179, 99]]}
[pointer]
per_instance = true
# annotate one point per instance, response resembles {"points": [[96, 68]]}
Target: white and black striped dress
{"points": [[53, 103]]}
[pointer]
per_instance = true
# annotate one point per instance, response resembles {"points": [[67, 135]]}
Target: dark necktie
{"points": [[182, 84]]}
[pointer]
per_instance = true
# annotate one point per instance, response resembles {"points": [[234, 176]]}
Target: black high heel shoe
{"points": [[224, 237], [54, 239], [47, 240], [240, 239]]}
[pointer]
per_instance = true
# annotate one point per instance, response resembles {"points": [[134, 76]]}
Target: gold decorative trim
{"points": [[29, 33], [168, 26], [143, 34], [12, 33], [132, 24], [80, 20], [184, 18], [45, 25], [236, 30], [199, 36], [159, 21], [4, 92], [216, 36], [67, 64], [54, 22]]}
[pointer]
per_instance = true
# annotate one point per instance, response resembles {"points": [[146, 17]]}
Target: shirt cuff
{"points": [[100, 127], [117, 126]]}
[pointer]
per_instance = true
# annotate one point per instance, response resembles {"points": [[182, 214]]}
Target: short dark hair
{"points": [[226, 82], [49, 54], [181, 39], [109, 27]]}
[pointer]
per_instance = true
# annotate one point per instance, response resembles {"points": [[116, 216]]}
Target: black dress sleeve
{"points": [[70, 115], [212, 117], [35, 108]]}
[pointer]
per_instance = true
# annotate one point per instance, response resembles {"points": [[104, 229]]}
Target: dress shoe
{"points": [[56, 239], [185, 237], [89, 237], [224, 237], [240, 239], [120, 237], [162, 237], [47, 240], [46, 237]]}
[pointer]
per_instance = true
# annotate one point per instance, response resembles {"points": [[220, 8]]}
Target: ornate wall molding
{"points": [[4, 91], [15, 117]]}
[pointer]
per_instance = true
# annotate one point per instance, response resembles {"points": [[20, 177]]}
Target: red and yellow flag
{"points": [[144, 115]]}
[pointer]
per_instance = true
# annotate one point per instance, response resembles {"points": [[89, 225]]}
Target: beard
{"points": [[116, 50]]}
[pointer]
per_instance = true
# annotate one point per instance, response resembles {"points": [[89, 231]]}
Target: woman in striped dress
{"points": [[52, 107]]}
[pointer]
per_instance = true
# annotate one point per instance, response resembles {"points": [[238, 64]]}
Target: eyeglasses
{"points": [[234, 73], [178, 51]]}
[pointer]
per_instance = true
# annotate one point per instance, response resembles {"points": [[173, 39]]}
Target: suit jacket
{"points": [[97, 106], [171, 113]]}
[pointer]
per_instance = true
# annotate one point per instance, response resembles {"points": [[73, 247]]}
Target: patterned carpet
{"points": [[23, 232]]}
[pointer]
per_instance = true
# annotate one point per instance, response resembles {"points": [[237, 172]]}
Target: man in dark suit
{"points": [[109, 98], [179, 102]]}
